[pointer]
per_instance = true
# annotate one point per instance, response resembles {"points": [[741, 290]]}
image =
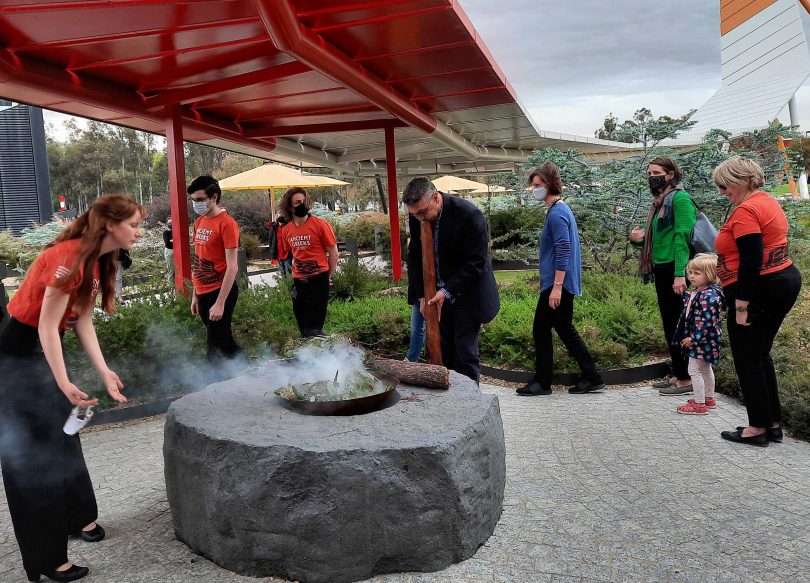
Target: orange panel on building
{"points": [[734, 12]]}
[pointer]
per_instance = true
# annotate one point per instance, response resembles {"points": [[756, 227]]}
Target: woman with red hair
{"points": [[48, 488]]}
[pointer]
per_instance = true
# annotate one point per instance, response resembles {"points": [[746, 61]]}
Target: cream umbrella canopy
{"points": [[492, 189], [272, 176], [455, 183]]}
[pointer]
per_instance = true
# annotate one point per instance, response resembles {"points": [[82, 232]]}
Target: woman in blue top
{"points": [[560, 281]]}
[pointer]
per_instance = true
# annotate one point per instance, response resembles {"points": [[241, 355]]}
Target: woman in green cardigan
{"points": [[664, 255]]}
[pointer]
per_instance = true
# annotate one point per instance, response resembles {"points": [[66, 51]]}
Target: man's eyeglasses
{"points": [[421, 214]]}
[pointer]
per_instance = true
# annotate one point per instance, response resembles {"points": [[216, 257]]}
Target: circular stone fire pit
{"points": [[262, 490]]}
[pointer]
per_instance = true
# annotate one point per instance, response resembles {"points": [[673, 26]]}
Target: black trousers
{"points": [[221, 344], [670, 305], [310, 297], [751, 345], [459, 331], [560, 320], [45, 477]]}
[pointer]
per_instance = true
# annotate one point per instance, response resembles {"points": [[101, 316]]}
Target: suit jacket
{"points": [[464, 261]]}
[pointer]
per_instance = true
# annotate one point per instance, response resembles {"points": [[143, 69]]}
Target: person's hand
{"points": [[77, 397], [687, 342], [741, 317], [438, 301], [637, 235], [195, 306], [113, 385], [216, 311], [679, 285], [555, 297]]}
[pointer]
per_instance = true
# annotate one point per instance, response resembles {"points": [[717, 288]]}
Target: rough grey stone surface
{"points": [[262, 490], [611, 487]]}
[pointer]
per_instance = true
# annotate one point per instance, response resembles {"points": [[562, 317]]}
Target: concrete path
{"points": [[607, 487]]}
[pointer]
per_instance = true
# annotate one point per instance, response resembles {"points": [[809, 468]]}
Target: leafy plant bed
{"points": [[158, 347]]}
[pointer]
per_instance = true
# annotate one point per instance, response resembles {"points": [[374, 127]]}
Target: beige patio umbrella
{"points": [[457, 184], [492, 189], [271, 176]]}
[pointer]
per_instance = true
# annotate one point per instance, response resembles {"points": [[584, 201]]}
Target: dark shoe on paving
{"points": [[92, 536], [736, 437], [584, 386], [533, 389], [775, 434], [676, 390], [72, 574], [662, 384]]}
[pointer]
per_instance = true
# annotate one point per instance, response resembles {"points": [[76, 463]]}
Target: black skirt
{"points": [[46, 481]]}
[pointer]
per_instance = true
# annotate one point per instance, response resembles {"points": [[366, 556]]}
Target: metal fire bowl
{"points": [[357, 406]]}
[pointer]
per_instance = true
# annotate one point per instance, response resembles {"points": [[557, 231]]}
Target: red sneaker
{"points": [[693, 408]]}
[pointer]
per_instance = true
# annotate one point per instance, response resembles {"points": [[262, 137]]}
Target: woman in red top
{"points": [[48, 489], [315, 255], [761, 285]]}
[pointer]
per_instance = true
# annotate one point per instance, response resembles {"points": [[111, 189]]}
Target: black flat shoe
{"points": [[775, 434], [736, 436], [533, 389], [92, 536], [72, 574], [584, 386]]}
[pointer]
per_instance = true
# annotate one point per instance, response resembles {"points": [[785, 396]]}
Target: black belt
{"points": [[311, 277]]}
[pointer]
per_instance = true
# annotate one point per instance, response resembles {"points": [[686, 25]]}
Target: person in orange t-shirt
{"points": [[213, 272], [48, 489], [761, 283], [315, 255]]}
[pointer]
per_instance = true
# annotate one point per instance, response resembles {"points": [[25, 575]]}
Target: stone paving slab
{"points": [[602, 487]]}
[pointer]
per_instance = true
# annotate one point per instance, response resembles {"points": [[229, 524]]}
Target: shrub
{"points": [[250, 243], [11, 248]]}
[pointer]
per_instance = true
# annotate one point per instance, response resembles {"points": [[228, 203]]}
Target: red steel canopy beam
{"points": [[157, 31], [177, 197], [37, 76], [41, 6], [393, 203], [170, 53], [271, 131], [343, 7], [203, 90], [373, 19], [289, 35]]}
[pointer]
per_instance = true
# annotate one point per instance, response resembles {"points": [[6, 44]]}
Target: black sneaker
{"points": [[584, 386], [533, 389]]}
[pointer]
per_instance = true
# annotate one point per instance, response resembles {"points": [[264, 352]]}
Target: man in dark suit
{"points": [[467, 295]]}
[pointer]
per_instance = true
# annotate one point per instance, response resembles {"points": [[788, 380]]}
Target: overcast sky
{"points": [[574, 61]]}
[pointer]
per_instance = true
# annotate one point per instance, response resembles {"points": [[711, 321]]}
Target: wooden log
{"points": [[430, 376], [431, 313]]}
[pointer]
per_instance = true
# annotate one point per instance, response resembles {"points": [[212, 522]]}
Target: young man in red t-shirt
{"points": [[315, 255], [213, 272]]}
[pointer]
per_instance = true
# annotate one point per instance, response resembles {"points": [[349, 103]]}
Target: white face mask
{"points": [[200, 207], [539, 192]]}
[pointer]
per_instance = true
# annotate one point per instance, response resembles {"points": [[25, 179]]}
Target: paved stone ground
{"points": [[610, 487]]}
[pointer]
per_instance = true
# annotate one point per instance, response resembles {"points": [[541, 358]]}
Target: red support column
{"points": [[393, 203], [178, 197]]}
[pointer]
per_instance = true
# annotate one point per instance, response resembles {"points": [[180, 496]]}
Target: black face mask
{"points": [[301, 210], [657, 183], [281, 221]]}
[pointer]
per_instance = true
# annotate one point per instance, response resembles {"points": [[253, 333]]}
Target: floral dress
{"points": [[701, 320]]}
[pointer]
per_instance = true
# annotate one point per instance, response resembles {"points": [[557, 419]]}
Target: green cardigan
{"points": [[672, 244]]}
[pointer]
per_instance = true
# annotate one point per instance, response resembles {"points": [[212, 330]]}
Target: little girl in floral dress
{"points": [[699, 331]]}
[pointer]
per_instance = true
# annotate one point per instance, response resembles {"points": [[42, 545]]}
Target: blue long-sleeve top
{"points": [[560, 250]]}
